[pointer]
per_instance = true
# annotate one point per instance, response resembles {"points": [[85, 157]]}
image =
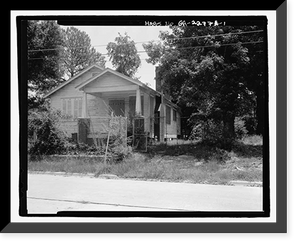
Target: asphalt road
{"points": [[52, 193]]}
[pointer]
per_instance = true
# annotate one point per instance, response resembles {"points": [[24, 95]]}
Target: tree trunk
{"points": [[228, 131]]}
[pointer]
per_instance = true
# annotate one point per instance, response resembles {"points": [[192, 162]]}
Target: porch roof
{"points": [[133, 81]]}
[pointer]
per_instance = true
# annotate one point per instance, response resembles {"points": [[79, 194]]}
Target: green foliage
{"points": [[74, 148], [43, 66], [155, 51], [210, 132], [197, 163], [78, 53], [240, 128], [54, 54], [119, 148], [44, 136], [123, 55], [216, 77], [43, 42], [250, 124]]}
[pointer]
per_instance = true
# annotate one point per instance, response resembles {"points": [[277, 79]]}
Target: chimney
{"points": [[158, 80], [159, 84]]}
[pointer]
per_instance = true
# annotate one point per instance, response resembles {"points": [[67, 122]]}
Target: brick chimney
{"points": [[158, 80], [159, 84]]}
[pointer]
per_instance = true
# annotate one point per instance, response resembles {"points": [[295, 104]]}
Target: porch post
{"points": [[138, 104], [84, 105]]}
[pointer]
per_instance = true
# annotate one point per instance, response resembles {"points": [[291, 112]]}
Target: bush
{"points": [[119, 147], [74, 148], [239, 128], [209, 132], [44, 136], [250, 124]]}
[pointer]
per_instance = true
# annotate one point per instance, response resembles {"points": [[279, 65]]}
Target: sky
{"points": [[102, 35]]}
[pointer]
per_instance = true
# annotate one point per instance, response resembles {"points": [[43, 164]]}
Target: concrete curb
{"points": [[91, 175], [62, 173], [113, 176], [245, 183]]}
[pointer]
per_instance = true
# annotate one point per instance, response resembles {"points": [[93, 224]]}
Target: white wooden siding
{"points": [[109, 80], [69, 99]]}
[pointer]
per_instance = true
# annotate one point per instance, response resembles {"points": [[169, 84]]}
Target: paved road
{"points": [[52, 193]]}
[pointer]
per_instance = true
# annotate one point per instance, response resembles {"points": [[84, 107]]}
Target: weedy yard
{"points": [[192, 162]]}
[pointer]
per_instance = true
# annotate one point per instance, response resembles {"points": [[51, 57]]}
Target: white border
{"points": [[271, 15]]}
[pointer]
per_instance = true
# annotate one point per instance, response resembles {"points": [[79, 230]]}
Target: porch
{"points": [[100, 106], [119, 101], [113, 94]]}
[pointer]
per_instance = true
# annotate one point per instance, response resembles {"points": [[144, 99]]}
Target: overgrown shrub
{"points": [[44, 136], [119, 148], [250, 124], [74, 148], [239, 128], [209, 132]]}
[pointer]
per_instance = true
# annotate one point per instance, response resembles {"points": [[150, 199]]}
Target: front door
{"points": [[118, 106]]}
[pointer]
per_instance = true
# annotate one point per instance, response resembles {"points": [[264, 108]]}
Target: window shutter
{"points": [[69, 107], [76, 108], [80, 107], [64, 106]]}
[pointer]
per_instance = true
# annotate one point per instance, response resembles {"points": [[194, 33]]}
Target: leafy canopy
{"points": [[43, 41], [123, 55], [211, 69], [55, 54], [78, 53]]}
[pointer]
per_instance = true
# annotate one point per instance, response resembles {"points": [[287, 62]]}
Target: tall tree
{"points": [[205, 67], [123, 55], [255, 76], [78, 52], [43, 41]]}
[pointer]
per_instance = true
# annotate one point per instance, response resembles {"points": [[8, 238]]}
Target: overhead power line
{"points": [[190, 47], [181, 38], [217, 35], [219, 45]]}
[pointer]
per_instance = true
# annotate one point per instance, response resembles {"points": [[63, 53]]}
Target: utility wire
{"points": [[190, 47], [217, 35], [218, 45], [181, 38]]}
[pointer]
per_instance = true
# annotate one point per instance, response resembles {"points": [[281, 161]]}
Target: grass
{"points": [[194, 163], [67, 165]]}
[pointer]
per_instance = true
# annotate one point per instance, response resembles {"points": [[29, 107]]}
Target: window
{"points": [[72, 107], [168, 114], [174, 115]]}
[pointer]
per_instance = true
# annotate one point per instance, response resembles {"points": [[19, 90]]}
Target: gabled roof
{"points": [[71, 79], [104, 71], [108, 70]]}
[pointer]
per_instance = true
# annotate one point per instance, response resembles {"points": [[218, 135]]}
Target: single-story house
{"points": [[96, 91]]}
